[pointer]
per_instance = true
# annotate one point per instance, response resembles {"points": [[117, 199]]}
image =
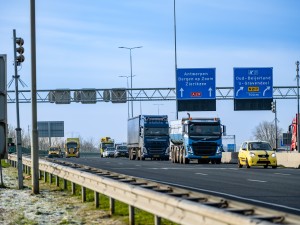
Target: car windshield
{"points": [[259, 146], [122, 148]]}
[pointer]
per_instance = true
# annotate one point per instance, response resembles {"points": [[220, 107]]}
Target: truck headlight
{"points": [[189, 149], [219, 150], [273, 155], [167, 151], [144, 150]]}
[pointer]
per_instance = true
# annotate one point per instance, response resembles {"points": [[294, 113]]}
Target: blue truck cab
{"points": [[196, 138], [148, 137]]}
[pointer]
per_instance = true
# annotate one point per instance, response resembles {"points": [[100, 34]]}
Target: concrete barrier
{"points": [[286, 159], [230, 157]]}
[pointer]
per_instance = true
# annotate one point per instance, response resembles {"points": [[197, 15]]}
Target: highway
{"points": [[272, 188]]}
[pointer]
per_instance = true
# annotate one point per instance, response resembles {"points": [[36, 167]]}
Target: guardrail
{"points": [[286, 159], [176, 209]]}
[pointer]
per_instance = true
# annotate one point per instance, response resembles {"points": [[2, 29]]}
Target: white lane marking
{"points": [[261, 181], [225, 194], [204, 174], [283, 174]]}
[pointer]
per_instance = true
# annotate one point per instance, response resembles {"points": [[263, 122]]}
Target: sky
{"points": [[78, 47]]}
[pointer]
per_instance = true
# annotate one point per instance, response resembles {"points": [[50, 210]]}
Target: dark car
{"points": [[121, 151]]}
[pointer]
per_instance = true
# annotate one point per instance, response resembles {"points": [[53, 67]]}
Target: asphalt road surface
{"points": [[272, 188]]}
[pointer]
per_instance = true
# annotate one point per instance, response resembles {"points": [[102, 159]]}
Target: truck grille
{"points": [[204, 148], [156, 147], [154, 151]]}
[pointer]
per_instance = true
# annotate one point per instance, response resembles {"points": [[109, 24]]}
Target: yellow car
{"points": [[257, 153]]}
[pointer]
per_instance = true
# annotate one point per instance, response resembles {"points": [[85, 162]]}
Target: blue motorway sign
{"points": [[253, 83], [196, 83]]}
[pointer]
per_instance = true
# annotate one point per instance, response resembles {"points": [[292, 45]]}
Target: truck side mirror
{"points": [[224, 130]]}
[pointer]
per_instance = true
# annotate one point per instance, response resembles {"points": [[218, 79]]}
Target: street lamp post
{"points": [[131, 74], [127, 88], [158, 107]]}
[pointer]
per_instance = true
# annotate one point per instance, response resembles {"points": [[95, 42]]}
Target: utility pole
{"points": [[35, 144], [175, 48]]}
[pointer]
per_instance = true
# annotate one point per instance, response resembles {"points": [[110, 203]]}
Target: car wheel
{"points": [[274, 167], [247, 164], [239, 164], [265, 166]]}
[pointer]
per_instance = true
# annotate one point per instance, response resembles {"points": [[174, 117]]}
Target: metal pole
{"points": [[175, 43], [158, 107], [276, 132], [127, 100], [298, 124], [34, 145], [128, 96], [131, 82], [18, 129], [131, 74]]}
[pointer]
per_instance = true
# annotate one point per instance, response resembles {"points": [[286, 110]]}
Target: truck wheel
{"points": [[180, 157], [177, 156], [138, 157], [218, 161], [186, 161], [173, 155]]}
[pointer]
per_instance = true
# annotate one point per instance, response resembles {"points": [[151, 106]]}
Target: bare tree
{"points": [[266, 131], [88, 145]]}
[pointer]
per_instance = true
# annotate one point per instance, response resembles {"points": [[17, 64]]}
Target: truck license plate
{"points": [[204, 157], [156, 156]]}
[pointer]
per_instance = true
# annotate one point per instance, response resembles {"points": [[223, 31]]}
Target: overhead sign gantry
{"points": [[253, 88], [196, 89]]}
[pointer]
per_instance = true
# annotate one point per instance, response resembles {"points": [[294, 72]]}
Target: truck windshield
{"points": [[156, 131], [105, 145], [72, 145], [204, 130]]}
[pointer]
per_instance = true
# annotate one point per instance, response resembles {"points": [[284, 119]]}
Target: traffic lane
{"points": [[272, 186]]}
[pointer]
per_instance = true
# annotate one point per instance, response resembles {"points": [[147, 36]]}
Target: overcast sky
{"points": [[77, 47]]}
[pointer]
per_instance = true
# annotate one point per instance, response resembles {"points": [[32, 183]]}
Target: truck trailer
{"points": [[196, 138], [293, 131], [72, 147], [148, 137]]}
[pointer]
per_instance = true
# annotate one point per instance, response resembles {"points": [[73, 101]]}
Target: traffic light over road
{"points": [[19, 50], [273, 106]]}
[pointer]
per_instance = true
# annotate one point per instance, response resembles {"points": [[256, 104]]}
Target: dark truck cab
{"points": [[148, 137]]}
